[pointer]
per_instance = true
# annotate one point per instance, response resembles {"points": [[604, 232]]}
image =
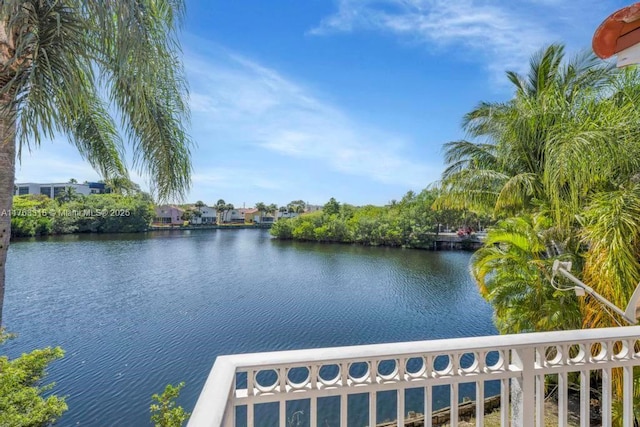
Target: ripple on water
{"points": [[136, 312]]}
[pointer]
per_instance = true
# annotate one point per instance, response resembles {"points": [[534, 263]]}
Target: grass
{"points": [[550, 418]]}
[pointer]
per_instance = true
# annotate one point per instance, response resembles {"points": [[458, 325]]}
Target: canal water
{"points": [[135, 312]]}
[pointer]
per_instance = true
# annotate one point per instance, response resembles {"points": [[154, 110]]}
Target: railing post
{"points": [[523, 387]]}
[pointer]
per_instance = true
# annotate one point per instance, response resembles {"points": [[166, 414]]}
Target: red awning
{"points": [[619, 31]]}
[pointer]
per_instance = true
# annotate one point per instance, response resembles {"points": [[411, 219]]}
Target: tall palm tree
{"points": [[228, 208], [612, 261], [122, 185], [199, 205], [220, 206], [567, 130], [262, 207], [273, 209], [560, 146], [57, 59]]}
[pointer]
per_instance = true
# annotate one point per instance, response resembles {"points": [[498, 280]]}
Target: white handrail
{"points": [[219, 393]]}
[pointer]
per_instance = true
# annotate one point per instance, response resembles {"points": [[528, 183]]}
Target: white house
{"points": [[53, 190], [287, 214], [207, 216]]}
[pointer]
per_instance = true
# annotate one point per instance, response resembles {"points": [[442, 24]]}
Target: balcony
{"points": [[515, 367]]}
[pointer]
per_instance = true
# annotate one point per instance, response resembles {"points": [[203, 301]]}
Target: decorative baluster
{"points": [[563, 398], [344, 374], [343, 409], [479, 403], [400, 365], [283, 413], [627, 395], [373, 410], [606, 397], [250, 382], [250, 418], [585, 398], [400, 408], [427, 406], [282, 379], [314, 371], [504, 402], [453, 414], [539, 409], [313, 412]]}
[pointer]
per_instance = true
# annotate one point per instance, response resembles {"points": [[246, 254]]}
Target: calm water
{"points": [[135, 312]]}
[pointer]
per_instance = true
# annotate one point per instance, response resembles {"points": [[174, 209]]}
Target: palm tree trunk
{"points": [[7, 175]]}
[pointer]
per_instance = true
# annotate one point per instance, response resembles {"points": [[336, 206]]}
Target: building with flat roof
{"points": [[53, 190]]}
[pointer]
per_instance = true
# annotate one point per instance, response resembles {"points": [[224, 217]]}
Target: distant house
{"points": [[98, 188], [207, 216], [53, 190], [287, 214], [235, 216], [251, 215], [266, 219], [168, 215]]}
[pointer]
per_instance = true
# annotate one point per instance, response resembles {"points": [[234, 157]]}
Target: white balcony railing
{"points": [[520, 363]]}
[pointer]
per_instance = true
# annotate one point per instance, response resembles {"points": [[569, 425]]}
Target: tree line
{"points": [[38, 215], [559, 165], [410, 222]]}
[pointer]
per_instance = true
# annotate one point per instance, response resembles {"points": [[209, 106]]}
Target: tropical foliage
{"points": [[164, 411], [566, 146], [34, 215], [513, 272], [22, 403], [408, 223], [560, 163], [57, 59]]}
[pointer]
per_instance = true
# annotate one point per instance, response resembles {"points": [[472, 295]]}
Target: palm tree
{"points": [[122, 185], [55, 54], [199, 205], [228, 208], [513, 272], [612, 261], [569, 135], [220, 207], [273, 209], [69, 194], [261, 208], [567, 131]]}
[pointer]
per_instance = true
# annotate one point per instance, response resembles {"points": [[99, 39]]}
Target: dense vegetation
{"points": [[559, 164], [21, 400], [34, 215], [564, 155], [408, 223]]}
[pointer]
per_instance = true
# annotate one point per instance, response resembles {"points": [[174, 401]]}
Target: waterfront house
{"points": [[235, 216], [251, 215], [287, 214], [207, 216], [168, 215]]}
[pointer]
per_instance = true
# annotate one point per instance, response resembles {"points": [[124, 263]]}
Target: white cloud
{"points": [[263, 136], [502, 34], [249, 102]]}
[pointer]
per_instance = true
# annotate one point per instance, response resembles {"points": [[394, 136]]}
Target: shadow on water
{"points": [[137, 311]]}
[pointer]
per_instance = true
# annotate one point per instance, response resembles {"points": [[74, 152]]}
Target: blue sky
{"points": [[352, 99]]}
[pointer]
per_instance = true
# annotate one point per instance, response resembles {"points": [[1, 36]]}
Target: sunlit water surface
{"points": [[138, 311]]}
